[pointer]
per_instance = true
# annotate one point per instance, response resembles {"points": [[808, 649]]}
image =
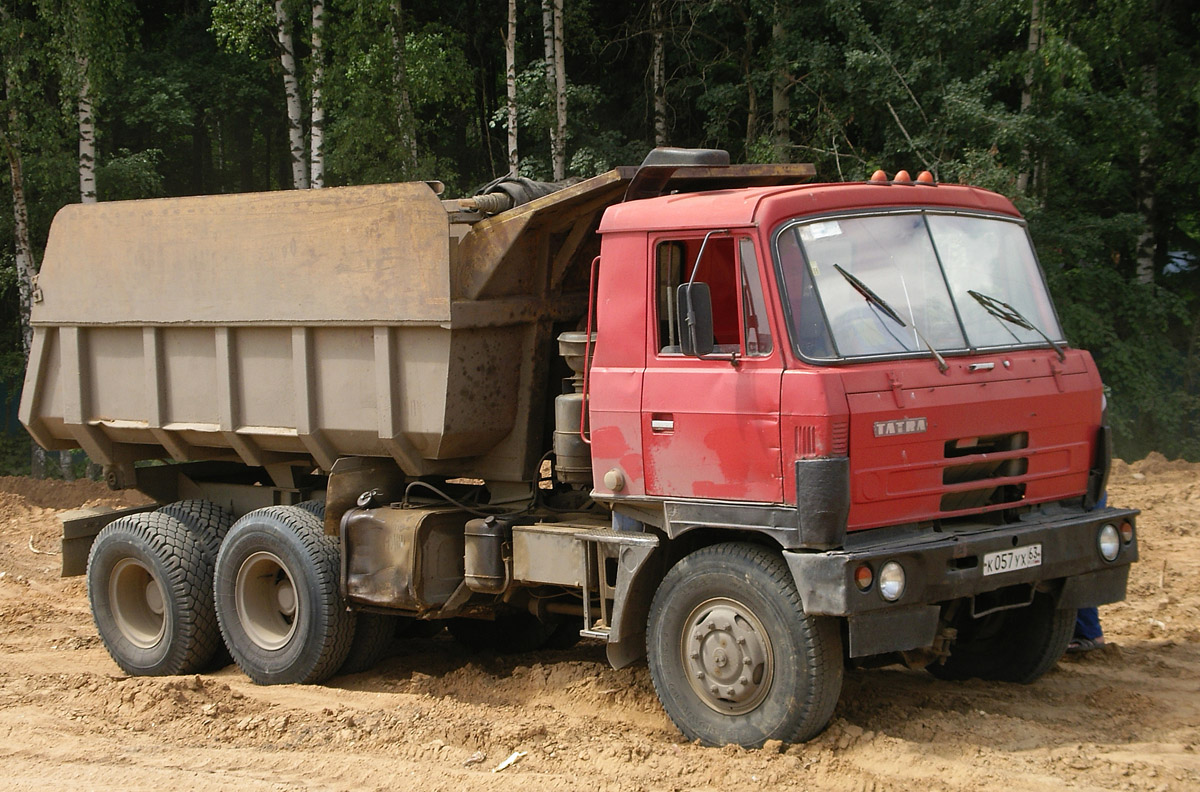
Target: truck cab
{"points": [[883, 395]]}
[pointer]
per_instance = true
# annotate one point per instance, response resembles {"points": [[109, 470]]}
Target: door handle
{"points": [[662, 424]]}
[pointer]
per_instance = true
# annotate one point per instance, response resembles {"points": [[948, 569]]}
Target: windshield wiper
{"points": [[874, 299], [1005, 312]]}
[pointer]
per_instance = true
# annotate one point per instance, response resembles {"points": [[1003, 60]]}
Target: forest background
{"points": [[1086, 114]]}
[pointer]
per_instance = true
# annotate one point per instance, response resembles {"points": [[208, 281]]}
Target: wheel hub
{"points": [[136, 603], [727, 656], [265, 597]]}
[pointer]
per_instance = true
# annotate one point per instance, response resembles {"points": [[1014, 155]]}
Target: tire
{"points": [[150, 589], [277, 598], [1018, 645], [208, 523], [731, 606], [313, 507], [374, 634]]}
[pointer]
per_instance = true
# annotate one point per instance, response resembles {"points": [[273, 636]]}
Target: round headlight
{"points": [[891, 581], [1109, 542]]}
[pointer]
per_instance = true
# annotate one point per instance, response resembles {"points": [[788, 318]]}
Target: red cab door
{"points": [[710, 427]]}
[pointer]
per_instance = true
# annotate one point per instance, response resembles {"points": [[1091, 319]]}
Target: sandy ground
{"points": [[432, 717]]}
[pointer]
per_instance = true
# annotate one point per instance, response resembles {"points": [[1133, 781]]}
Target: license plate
{"points": [[1012, 560]]}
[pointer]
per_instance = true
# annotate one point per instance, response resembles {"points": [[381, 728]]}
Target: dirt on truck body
{"points": [[755, 430]]}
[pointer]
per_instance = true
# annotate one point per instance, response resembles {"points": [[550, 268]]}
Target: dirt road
{"points": [[432, 717]]}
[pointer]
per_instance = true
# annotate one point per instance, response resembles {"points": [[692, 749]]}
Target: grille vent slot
{"points": [[976, 466], [841, 439], [806, 441]]}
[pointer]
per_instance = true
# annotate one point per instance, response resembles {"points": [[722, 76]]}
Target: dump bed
{"points": [[296, 327]]}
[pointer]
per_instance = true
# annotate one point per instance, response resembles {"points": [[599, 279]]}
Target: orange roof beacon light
{"points": [[925, 177], [879, 177], [902, 177]]}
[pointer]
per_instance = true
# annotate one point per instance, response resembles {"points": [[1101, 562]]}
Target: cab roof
{"points": [[766, 206]]}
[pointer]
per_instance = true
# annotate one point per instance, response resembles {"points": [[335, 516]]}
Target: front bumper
{"points": [[944, 566]]}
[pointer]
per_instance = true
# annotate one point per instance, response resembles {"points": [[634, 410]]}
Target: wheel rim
{"points": [[727, 655], [136, 599], [265, 596]]}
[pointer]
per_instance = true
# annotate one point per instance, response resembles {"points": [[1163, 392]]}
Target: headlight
{"points": [[891, 581], [1109, 542]]}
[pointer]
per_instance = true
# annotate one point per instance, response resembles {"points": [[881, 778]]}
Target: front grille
{"points": [[977, 462]]}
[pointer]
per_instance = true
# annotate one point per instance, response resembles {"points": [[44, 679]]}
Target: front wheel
{"points": [[1018, 645], [277, 598], [733, 657]]}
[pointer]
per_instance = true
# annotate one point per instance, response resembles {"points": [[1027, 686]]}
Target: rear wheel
{"points": [[1018, 645], [149, 586], [208, 523], [277, 598], [732, 655], [374, 634]]}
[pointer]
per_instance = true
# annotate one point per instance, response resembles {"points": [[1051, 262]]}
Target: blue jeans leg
{"points": [[1087, 624]]}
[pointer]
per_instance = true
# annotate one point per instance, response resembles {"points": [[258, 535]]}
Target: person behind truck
{"points": [[1089, 635]]}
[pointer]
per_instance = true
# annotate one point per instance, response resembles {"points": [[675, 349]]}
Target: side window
{"points": [[668, 269], [675, 261], [754, 305]]}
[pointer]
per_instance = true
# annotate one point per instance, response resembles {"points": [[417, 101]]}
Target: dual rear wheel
{"points": [[173, 590]]}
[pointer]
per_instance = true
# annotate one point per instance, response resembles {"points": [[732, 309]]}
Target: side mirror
{"points": [[695, 319]]}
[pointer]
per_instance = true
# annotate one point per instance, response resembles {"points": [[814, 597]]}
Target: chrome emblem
{"points": [[901, 426]]}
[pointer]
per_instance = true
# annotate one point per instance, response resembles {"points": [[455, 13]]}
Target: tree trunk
{"points": [[23, 253], [558, 171], [510, 83], [780, 101], [291, 89], [316, 141], [658, 72], [404, 111], [560, 93], [87, 137], [747, 73], [1025, 177], [1146, 247]]}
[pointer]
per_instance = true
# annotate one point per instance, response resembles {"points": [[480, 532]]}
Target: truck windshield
{"points": [[922, 265]]}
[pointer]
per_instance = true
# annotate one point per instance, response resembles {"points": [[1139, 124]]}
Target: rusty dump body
{"points": [[278, 329]]}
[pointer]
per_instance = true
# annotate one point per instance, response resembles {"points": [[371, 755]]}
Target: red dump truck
{"points": [[751, 428]]}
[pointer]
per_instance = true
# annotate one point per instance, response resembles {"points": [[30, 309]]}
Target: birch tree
{"points": [[291, 92], [238, 25], [1032, 46], [658, 71], [89, 41], [316, 136], [14, 52], [781, 110], [404, 106], [510, 86], [556, 83]]}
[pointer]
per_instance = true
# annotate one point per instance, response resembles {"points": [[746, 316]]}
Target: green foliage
{"points": [[1093, 133], [127, 175], [242, 26]]}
